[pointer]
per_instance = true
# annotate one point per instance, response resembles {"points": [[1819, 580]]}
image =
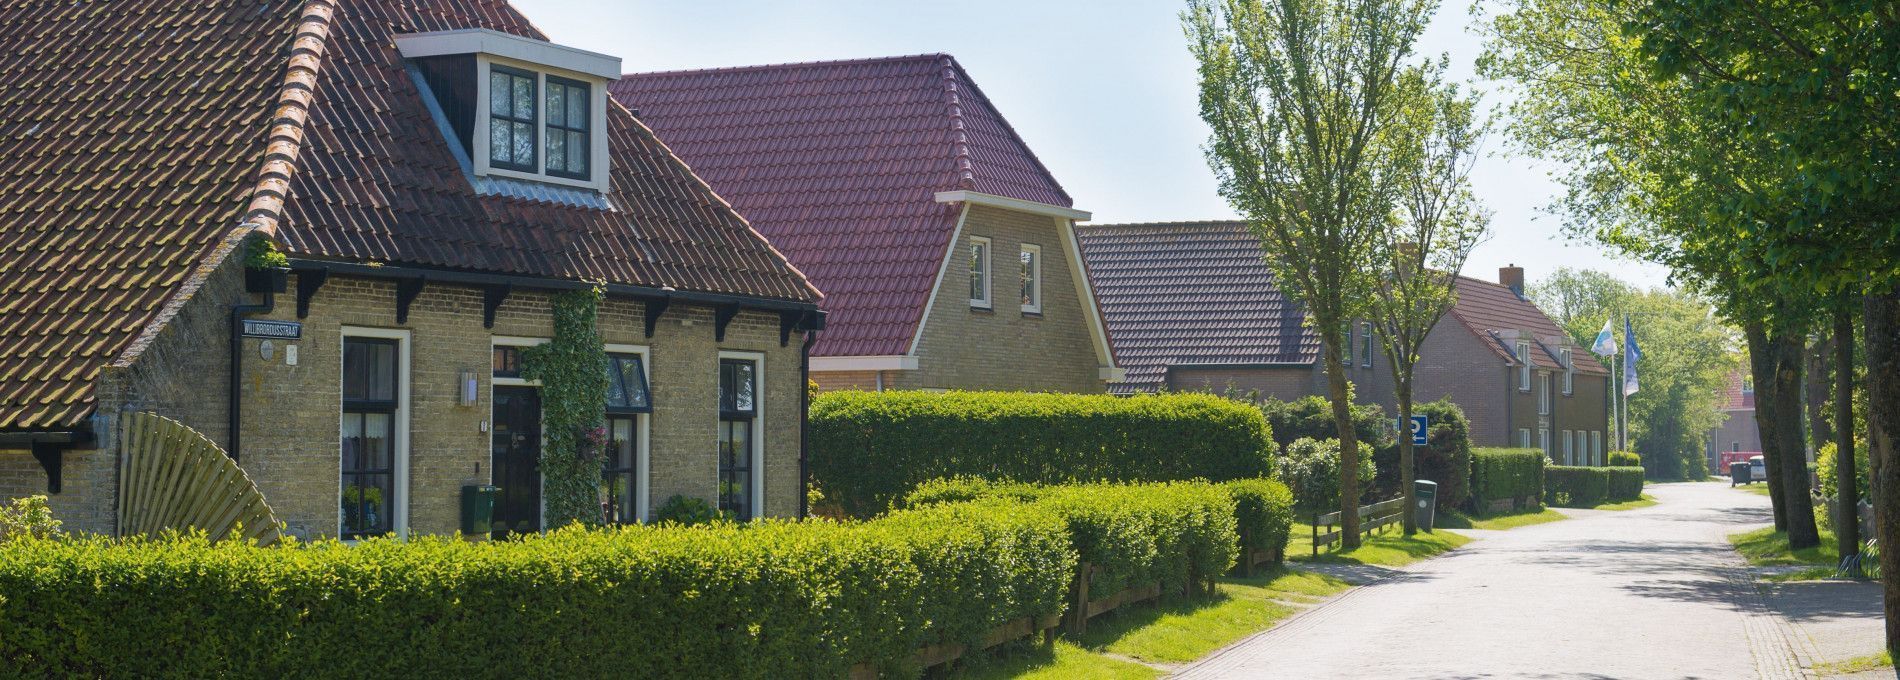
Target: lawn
{"points": [[1453, 519], [1758, 488], [1388, 549], [1175, 631], [1856, 665], [1645, 501], [1766, 547]]}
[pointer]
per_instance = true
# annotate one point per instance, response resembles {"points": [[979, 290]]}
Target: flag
{"points": [[1606, 341], [1630, 355]]}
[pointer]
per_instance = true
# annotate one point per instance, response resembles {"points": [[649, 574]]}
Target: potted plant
{"points": [[265, 269]]}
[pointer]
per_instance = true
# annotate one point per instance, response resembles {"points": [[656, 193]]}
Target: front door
{"points": [[517, 460]]}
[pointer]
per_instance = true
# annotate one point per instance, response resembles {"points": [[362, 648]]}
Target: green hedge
{"points": [[1263, 514], [1446, 458], [773, 599], [1497, 474], [1576, 487], [1138, 534], [870, 448], [1626, 482], [1625, 459]]}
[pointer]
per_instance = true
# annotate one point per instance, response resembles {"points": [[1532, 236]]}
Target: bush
{"points": [[1311, 417], [1500, 474], [1310, 469], [689, 510], [1263, 514], [772, 599], [1446, 459], [28, 516], [1826, 468], [1625, 459], [1576, 487], [1626, 482], [870, 448]]}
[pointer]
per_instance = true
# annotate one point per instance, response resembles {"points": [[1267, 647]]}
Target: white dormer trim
{"points": [[510, 46], [980, 198], [600, 162]]}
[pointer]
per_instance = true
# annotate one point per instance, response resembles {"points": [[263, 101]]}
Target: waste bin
{"points": [[1426, 491], [478, 509], [1739, 472]]}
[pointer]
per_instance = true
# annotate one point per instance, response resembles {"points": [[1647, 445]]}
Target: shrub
{"points": [[772, 599], [28, 516], [1311, 417], [1446, 459], [1310, 469], [869, 448], [1826, 468], [1625, 459], [1263, 514], [688, 510], [1497, 474], [1626, 482], [1574, 486]]}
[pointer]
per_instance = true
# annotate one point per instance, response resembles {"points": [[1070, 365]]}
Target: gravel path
{"points": [[1649, 593]]}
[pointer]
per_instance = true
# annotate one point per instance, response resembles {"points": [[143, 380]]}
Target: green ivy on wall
{"points": [[573, 373]]}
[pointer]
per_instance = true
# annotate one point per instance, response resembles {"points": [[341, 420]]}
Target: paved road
{"points": [[1650, 593]]}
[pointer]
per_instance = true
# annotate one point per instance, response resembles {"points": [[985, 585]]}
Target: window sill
{"points": [[983, 309], [1031, 315]]}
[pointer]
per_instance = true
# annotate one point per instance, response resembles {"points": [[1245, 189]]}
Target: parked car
{"points": [[1757, 470]]}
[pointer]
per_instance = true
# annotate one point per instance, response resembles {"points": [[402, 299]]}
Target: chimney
{"points": [[1512, 277]]}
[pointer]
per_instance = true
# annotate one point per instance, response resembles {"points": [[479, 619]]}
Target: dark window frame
{"points": [[630, 473], [505, 361], [585, 129], [533, 120], [362, 408], [614, 375], [737, 468]]}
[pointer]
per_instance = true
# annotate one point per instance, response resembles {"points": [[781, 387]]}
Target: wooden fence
{"points": [[1371, 517], [172, 477]]}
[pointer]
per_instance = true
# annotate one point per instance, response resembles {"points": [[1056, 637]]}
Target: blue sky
{"points": [[1102, 90]]}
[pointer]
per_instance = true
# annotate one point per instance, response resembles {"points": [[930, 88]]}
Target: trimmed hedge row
{"points": [[1626, 482], [1575, 486], [772, 599], [1625, 459], [870, 448], [1497, 474], [1263, 514], [1446, 457]]}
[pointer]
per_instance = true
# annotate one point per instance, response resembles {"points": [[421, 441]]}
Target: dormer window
{"points": [[520, 109]]}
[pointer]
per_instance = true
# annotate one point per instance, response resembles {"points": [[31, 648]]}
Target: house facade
{"points": [[1737, 436], [947, 251], [437, 173], [1193, 306]]}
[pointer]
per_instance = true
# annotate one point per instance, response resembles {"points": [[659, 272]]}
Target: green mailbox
{"points": [[478, 509]]}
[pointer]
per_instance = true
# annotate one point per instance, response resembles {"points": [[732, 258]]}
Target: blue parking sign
{"points": [[1420, 431]]}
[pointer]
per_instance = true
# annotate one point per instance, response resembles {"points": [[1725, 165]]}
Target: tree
{"points": [[1300, 95], [1439, 221]]}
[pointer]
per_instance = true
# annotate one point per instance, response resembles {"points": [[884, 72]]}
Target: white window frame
{"points": [[1524, 437], [1570, 372], [1596, 445], [599, 158], [758, 430], [643, 435], [1543, 393], [1570, 453], [400, 504], [1543, 440], [1034, 273], [1523, 366], [981, 266], [1365, 344]]}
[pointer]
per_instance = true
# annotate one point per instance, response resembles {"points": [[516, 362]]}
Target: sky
{"points": [[1102, 90]]}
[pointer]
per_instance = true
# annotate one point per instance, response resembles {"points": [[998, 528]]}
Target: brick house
{"points": [[1192, 306], [1737, 436], [946, 250], [435, 170]]}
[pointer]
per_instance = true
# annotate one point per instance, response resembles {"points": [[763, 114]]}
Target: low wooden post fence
{"points": [[1372, 517]]}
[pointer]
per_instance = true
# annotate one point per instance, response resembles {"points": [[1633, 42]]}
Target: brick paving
{"points": [[1649, 593]]}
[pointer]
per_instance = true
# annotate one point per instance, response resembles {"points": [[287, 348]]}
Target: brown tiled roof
{"points": [[135, 148], [1490, 310], [1190, 293], [1734, 398], [839, 164]]}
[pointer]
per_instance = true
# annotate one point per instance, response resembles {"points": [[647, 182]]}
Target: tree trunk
{"points": [[1408, 470], [1761, 363], [1802, 532], [1348, 450], [1820, 360], [1882, 319], [1846, 495]]}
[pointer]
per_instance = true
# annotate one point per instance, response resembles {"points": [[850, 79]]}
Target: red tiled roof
{"points": [[1489, 310], [135, 138], [838, 163], [1190, 293]]}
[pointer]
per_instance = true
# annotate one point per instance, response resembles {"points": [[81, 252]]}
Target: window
{"points": [[1524, 366], [1569, 452], [1543, 393], [739, 447], [1524, 437], [372, 400], [622, 466], [1365, 344], [979, 272], [1748, 384], [570, 106], [507, 361], [1346, 333], [1596, 447], [1543, 441], [511, 120], [1032, 279], [1570, 372]]}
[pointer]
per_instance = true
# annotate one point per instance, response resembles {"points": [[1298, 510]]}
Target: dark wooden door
{"points": [[517, 460]]}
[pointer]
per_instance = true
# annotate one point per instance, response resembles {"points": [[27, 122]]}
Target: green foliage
{"points": [[1263, 513], [688, 511], [27, 516], [1498, 474], [1310, 469], [869, 448], [767, 600], [1625, 459], [1311, 417], [572, 369], [1576, 487], [1446, 456], [1626, 482], [261, 253], [1827, 468]]}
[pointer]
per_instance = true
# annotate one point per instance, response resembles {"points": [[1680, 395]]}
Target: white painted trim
{"points": [[509, 341], [758, 429], [643, 456], [891, 362], [980, 198], [600, 161], [1035, 279], [1111, 373], [988, 301], [930, 303], [1091, 310], [488, 41], [400, 504]]}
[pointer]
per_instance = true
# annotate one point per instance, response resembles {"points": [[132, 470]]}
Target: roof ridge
{"points": [[784, 65], [960, 138], [964, 77], [1177, 223]]}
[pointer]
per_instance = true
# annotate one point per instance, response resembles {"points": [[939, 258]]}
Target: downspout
{"points": [[1510, 397], [804, 423], [238, 312]]}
